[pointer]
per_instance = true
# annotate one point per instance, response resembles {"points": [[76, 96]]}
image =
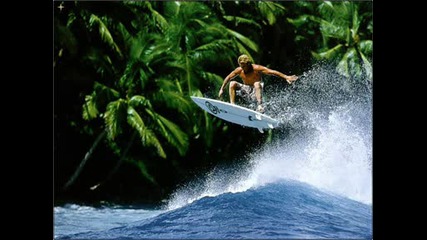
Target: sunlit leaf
{"points": [[251, 44], [115, 117], [270, 10], [240, 20], [90, 110], [330, 53], [147, 136], [173, 134], [104, 32], [367, 67]]}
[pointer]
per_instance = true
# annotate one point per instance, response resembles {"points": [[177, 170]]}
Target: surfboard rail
{"points": [[236, 114]]}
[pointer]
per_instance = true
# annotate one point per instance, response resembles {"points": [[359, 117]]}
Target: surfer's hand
{"points": [[220, 92], [291, 79]]}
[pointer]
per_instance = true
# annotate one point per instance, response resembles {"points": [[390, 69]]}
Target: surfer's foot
{"points": [[260, 108]]}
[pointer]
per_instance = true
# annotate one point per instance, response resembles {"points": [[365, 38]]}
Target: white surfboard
{"points": [[236, 114]]}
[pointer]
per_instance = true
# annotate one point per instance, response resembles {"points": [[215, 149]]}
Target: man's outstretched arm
{"points": [[269, 71]]}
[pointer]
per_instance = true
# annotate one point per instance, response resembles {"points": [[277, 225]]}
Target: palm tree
{"points": [[77, 27], [137, 103], [123, 76], [346, 37]]}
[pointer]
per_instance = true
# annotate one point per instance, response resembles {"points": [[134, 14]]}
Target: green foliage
{"points": [[345, 36], [147, 135], [144, 171], [243, 40], [236, 20], [90, 110], [104, 32], [173, 134], [98, 100], [270, 10], [329, 53], [64, 37], [115, 117]]}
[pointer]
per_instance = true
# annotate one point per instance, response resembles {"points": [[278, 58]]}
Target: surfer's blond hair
{"points": [[244, 59]]}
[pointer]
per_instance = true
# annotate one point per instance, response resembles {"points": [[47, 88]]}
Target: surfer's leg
{"points": [[258, 92], [232, 90]]}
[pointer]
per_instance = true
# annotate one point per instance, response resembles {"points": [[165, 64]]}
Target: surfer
{"points": [[251, 75]]}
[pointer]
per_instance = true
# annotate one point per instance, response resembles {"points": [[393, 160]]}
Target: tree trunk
{"points": [[83, 162], [118, 164]]}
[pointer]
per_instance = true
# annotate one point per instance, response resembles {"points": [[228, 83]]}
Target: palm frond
{"points": [[215, 46], [370, 27], [171, 9], [166, 85], [173, 134], [208, 53], [174, 101], [270, 10], [98, 100], [240, 20], [251, 44], [178, 86], [103, 91], [202, 24], [366, 47], [158, 18], [216, 31], [138, 100], [178, 66], [355, 65], [124, 33], [71, 19], [115, 117], [90, 110], [104, 32], [213, 78], [367, 66], [144, 170], [355, 23], [302, 20], [343, 67], [332, 30], [242, 49], [136, 73], [148, 137], [197, 93], [326, 9], [329, 54]]}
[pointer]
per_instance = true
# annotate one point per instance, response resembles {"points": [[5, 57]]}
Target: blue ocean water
{"points": [[285, 209], [314, 181]]}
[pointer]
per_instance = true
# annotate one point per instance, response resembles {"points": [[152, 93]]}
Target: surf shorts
{"points": [[247, 92]]}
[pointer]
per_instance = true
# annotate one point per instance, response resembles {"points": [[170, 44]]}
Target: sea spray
{"points": [[325, 139]]}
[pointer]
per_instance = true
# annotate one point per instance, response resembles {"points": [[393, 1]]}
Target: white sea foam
{"points": [[325, 141]]}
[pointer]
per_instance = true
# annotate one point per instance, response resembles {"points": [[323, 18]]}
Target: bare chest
{"points": [[251, 77]]}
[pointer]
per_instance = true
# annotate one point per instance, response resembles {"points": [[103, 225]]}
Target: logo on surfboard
{"points": [[214, 109]]}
